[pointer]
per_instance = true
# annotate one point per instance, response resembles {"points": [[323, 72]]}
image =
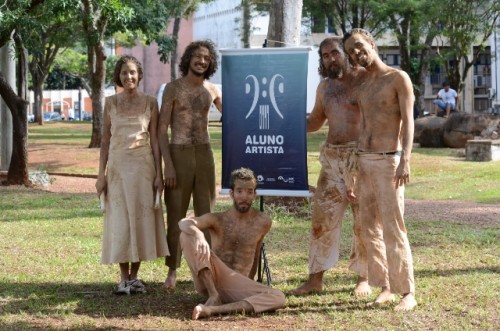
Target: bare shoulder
{"points": [[323, 84], [264, 220], [173, 85], [399, 75], [110, 98], [213, 89]]}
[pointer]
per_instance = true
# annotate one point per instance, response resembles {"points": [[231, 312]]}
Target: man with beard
{"points": [[385, 98], [188, 157], [334, 192], [225, 272]]}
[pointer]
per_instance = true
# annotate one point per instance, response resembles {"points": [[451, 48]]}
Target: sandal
{"points": [[122, 289], [136, 286]]}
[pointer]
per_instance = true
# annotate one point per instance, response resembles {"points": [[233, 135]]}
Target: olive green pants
{"points": [[195, 175]]}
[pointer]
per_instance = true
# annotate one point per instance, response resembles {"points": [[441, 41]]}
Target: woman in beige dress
{"points": [[130, 176]]}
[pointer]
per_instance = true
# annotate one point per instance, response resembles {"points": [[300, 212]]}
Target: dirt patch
{"points": [[58, 156], [415, 210]]}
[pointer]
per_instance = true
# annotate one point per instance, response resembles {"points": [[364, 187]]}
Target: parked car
{"points": [[51, 116], [86, 116], [214, 115], [31, 118]]}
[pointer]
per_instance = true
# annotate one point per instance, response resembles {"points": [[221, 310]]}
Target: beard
{"points": [[196, 73], [242, 207], [335, 73]]}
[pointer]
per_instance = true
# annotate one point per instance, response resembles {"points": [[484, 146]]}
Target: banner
{"points": [[264, 100]]}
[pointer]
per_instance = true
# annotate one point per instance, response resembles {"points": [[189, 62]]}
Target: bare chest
{"points": [[378, 94], [195, 102]]}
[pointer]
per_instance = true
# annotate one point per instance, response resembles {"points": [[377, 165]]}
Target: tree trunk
{"points": [[97, 63], [8, 74], [246, 26], [18, 106], [423, 70], [173, 54], [284, 23], [38, 94], [18, 170]]}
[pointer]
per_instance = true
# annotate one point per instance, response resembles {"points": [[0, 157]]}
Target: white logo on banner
{"points": [[271, 91]]}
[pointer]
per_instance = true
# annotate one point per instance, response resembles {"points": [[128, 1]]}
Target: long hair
{"points": [[188, 53], [118, 68], [331, 40]]}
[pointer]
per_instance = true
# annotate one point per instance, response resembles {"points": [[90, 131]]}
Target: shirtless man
{"points": [[225, 273], [338, 161], [188, 157], [385, 99]]}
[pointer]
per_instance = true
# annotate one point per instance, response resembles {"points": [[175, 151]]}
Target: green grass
{"points": [[66, 132], [51, 278], [436, 174], [445, 174]]}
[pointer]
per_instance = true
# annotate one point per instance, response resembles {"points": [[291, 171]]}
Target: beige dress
{"points": [[133, 230]]}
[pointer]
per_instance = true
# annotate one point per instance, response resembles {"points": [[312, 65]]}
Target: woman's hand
{"points": [[100, 185]]}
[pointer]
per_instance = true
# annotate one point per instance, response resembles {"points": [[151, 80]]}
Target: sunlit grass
{"points": [[436, 174], [51, 277]]}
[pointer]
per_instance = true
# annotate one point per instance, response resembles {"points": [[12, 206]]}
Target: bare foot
{"points": [[362, 288], [213, 301], [305, 289], [313, 285], [170, 281], [199, 311], [384, 297], [407, 303]]}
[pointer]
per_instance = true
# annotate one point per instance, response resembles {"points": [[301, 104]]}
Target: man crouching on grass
{"points": [[225, 273]]}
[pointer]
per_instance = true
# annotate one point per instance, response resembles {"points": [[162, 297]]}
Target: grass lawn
{"points": [[51, 278]]}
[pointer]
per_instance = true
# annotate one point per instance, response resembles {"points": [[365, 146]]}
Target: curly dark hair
{"points": [[331, 40], [118, 67], [188, 53], [367, 35], [244, 174]]}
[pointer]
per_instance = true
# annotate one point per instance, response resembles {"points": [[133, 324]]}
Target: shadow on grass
{"points": [[97, 299], [430, 273]]}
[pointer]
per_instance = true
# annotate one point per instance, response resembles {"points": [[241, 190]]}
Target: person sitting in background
{"points": [[446, 100]]}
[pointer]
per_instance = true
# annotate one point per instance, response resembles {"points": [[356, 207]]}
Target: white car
{"points": [[214, 115]]}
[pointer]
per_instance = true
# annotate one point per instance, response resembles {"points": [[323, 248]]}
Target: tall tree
{"points": [[52, 27], [144, 20], [14, 15], [73, 63], [341, 16], [415, 26], [464, 24], [99, 17], [284, 23]]}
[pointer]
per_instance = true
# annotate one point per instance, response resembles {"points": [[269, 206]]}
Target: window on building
{"points": [[392, 59]]}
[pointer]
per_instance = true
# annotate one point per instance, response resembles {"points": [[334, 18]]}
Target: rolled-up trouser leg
{"points": [[231, 285], [329, 205]]}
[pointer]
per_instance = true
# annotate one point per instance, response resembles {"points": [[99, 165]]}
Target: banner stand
{"points": [[264, 124]]}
